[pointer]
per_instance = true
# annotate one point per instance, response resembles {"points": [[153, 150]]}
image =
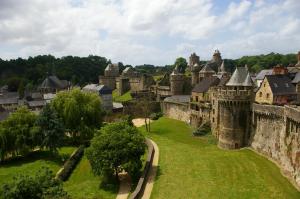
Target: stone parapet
{"points": [[235, 94], [268, 109]]}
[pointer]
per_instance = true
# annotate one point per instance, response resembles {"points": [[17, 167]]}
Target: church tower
{"points": [[234, 110]]}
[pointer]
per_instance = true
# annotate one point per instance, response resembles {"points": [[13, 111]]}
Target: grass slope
{"points": [[83, 184], [191, 167], [123, 98], [30, 164]]}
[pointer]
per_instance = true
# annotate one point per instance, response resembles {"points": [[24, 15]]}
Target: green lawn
{"points": [[191, 167], [83, 184], [123, 98], [33, 162]]}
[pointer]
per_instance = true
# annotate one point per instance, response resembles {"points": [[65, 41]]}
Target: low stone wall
{"points": [[276, 134], [177, 111], [139, 190], [65, 172]]}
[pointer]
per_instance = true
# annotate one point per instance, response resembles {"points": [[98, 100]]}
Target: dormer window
{"points": [[287, 85], [275, 85]]}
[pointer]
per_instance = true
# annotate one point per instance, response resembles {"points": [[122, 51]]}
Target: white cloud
{"points": [[140, 31]]}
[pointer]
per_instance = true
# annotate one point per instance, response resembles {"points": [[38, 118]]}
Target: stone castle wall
{"points": [[276, 134], [177, 111]]}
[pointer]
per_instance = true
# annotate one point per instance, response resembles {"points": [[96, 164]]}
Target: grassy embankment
{"points": [[194, 167], [30, 164], [121, 98]]}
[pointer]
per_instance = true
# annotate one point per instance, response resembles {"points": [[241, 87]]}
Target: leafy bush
{"points": [[42, 185], [70, 164], [156, 116], [202, 130]]}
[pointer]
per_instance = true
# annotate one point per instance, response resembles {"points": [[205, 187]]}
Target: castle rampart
{"points": [[275, 132]]}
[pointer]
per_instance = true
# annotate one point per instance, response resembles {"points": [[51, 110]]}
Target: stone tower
{"points": [[194, 59], [298, 63], [195, 74], [217, 57], [234, 110], [111, 72], [177, 80]]}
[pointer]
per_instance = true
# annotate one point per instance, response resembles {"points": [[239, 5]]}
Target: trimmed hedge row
{"points": [[64, 173], [139, 190]]}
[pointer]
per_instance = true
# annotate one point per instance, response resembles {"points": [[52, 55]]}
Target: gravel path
{"points": [[124, 188]]}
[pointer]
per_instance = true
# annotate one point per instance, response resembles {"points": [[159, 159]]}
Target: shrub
{"points": [[202, 130]]}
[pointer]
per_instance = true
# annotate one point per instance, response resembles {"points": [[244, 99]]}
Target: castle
{"points": [[233, 105], [129, 79]]}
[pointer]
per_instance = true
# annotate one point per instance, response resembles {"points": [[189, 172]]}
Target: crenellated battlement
{"points": [[232, 95]]}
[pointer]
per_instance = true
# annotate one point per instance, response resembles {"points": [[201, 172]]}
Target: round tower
{"points": [[234, 109], [177, 82]]}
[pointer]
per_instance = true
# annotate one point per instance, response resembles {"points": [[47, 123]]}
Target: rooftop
{"points": [[205, 84], [240, 77], [281, 84]]}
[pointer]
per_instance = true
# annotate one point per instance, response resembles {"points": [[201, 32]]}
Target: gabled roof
{"points": [[53, 82], [240, 77], [207, 69], [205, 84], [112, 67], [296, 80], [280, 84], [261, 75]]}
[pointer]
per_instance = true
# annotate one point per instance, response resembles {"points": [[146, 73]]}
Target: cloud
{"points": [[140, 31]]}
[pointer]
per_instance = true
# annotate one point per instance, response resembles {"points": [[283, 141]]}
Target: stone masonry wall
{"points": [[176, 111], [276, 134]]}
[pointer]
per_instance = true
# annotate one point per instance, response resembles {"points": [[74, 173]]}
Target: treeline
{"points": [[82, 70], [32, 71]]}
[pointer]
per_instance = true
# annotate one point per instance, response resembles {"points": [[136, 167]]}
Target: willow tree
{"points": [[81, 112]]}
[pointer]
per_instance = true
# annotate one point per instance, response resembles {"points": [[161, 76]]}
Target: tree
{"points": [[42, 185], [181, 63], [117, 147], [51, 127], [81, 112], [16, 133]]}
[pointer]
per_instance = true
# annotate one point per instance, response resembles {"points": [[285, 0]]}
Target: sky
{"points": [[148, 31]]}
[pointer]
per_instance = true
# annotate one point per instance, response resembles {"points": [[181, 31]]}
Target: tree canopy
{"points": [[51, 129], [116, 147], [181, 63], [17, 133], [81, 112]]}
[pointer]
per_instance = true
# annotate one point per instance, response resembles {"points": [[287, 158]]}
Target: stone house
{"points": [[276, 89], [104, 92]]}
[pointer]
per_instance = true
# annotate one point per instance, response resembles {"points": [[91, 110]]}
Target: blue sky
{"points": [[152, 32]]}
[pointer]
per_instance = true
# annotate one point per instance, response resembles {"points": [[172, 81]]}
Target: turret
{"points": [[222, 70], [177, 82], [234, 103]]}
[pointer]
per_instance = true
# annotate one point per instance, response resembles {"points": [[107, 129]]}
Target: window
{"points": [[275, 85], [264, 84], [213, 102], [268, 95], [213, 119], [213, 111], [260, 94], [196, 98]]}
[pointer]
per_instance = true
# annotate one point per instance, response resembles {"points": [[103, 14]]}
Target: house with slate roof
{"points": [[276, 89], [52, 85]]}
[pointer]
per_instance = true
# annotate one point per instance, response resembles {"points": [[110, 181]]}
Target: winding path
{"points": [[125, 181], [152, 173]]}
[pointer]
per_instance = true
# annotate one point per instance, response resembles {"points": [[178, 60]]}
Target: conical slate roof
{"points": [[296, 80], [240, 77]]}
